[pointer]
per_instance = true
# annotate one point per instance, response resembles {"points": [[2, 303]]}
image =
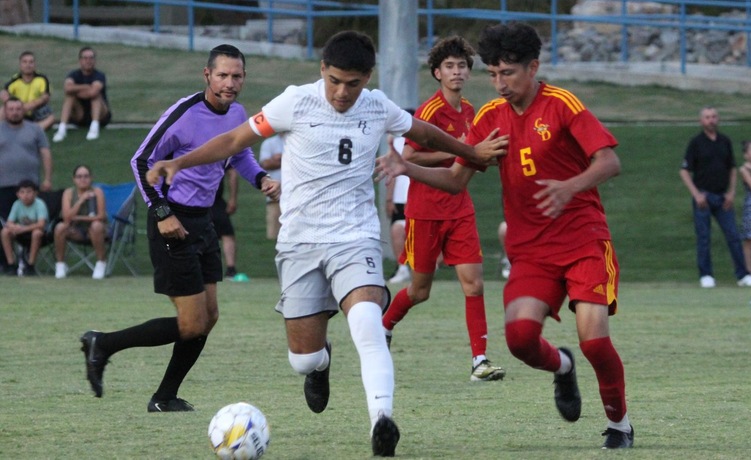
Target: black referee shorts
{"points": [[222, 222], [183, 267]]}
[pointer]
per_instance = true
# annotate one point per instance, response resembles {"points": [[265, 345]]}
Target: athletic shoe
{"points": [[230, 273], [100, 269], [61, 270], [11, 270], [486, 372], [402, 275], [616, 439], [93, 134], [706, 282], [567, 397], [745, 281], [505, 267], [95, 361], [385, 437], [169, 405], [59, 135], [29, 270], [317, 387]]}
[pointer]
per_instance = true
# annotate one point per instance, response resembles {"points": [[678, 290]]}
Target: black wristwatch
{"points": [[162, 211]]}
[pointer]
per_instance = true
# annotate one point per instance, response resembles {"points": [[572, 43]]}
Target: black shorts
{"points": [[398, 213], [222, 222], [183, 267]]}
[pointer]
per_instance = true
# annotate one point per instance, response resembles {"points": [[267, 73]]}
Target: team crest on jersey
{"points": [[542, 129], [450, 128], [363, 127]]}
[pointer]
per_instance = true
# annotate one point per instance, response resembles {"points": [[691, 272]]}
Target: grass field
{"points": [[685, 351]]}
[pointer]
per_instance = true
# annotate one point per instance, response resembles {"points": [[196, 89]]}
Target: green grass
{"points": [[684, 350]]}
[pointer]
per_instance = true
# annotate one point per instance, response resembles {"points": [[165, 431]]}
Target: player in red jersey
{"points": [[558, 240], [442, 223]]}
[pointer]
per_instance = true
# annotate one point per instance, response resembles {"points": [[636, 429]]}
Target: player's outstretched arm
{"points": [[452, 180], [219, 148], [432, 137]]}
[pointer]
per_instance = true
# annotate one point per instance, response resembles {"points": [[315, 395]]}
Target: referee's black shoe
{"points": [[169, 405], [96, 360]]}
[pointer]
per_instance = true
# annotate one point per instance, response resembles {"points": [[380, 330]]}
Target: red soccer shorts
{"points": [[457, 239], [587, 273]]}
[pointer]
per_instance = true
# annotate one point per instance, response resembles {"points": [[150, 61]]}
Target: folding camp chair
{"points": [[120, 202], [122, 231]]}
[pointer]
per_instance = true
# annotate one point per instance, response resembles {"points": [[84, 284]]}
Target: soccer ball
{"points": [[239, 432]]}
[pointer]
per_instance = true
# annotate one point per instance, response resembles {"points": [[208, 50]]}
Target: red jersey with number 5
{"points": [[554, 138]]}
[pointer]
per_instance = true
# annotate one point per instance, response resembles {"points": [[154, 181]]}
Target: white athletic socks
{"points": [[376, 366], [624, 425], [306, 363], [565, 363]]}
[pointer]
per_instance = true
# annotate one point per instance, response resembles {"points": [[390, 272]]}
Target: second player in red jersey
{"points": [[441, 223]]}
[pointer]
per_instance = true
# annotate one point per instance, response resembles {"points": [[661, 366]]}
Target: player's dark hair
{"points": [[455, 47], [513, 43], [744, 145], [12, 99], [224, 50], [27, 183], [25, 53], [349, 50]]}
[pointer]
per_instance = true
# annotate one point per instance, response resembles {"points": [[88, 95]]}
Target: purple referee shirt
{"points": [[185, 126]]}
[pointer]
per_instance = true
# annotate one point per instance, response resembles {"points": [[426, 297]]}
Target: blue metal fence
{"points": [[310, 10]]}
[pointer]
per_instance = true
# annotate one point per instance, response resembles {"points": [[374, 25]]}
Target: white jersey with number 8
{"points": [[327, 167]]}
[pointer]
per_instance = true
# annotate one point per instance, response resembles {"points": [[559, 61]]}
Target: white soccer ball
{"points": [[239, 432]]}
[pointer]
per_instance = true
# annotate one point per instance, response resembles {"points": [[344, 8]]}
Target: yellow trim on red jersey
{"points": [[492, 105], [571, 101], [431, 108]]}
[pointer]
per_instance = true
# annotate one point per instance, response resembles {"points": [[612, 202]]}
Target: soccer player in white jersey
{"points": [[329, 249]]}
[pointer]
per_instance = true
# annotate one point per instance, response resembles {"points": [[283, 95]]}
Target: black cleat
{"points": [[567, 397], [95, 361], [317, 387], [169, 405], [616, 439], [385, 437]]}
